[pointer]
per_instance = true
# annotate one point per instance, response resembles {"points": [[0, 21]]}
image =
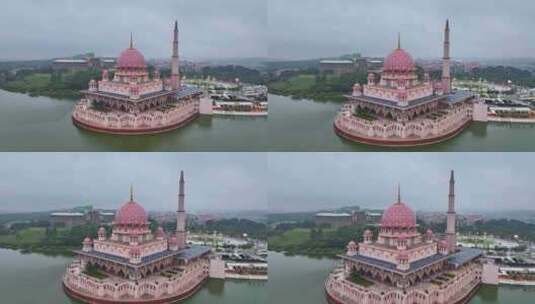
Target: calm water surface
{"points": [[299, 280], [44, 124], [305, 125], [35, 278]]}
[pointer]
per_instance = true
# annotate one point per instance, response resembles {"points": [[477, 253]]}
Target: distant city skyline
{"points": [[484, 181], [209, 29], [214, 181], [480, 29]]}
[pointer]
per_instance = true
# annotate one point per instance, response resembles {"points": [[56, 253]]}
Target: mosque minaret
{"points": [[446, 80], [451, 216], [181, 215]]}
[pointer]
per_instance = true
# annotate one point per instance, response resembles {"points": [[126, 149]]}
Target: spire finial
{"points": [[176, 25], [181, 175], [399, 193], [399, 40], [447, 24], [131, 193], [452, 177], [131, 40]]}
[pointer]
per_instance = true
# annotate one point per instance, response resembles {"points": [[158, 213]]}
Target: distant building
{"points": [[344, 66], [71, 219], [82, 63], [336, 220]]}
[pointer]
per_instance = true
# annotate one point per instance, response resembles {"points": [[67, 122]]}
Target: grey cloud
{"points": [[485, 181], [480, 29], [33, 29], [214, 181]]}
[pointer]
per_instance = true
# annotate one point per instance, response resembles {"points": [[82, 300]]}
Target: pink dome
{"points": [[131, 213], [399, 61], [88, 241], [131, 58], [398, 216]]}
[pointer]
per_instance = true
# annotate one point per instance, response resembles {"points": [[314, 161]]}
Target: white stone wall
{"points": [[420, 128], [480, 112], [193, 274], [466, 279], [148, 119], [217, 268], [391, 255]]}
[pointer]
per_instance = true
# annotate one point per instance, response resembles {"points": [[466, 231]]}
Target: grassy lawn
{"points": [[42, 84], [364, 115], [296, 84], [292, 237], [27, 236], [94, 272], [359, 280]]}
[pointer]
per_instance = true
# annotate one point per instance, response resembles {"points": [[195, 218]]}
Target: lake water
{"points": [[44, 124], [299, 280], [305, 125], [35, 278]]}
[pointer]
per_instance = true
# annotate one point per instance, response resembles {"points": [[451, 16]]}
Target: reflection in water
{"points": [[305, 125], [478, 129], [299, 280], [215, 287], [35, 278], [488, 293], [44, 124]]}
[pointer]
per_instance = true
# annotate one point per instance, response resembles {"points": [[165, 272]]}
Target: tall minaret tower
{"points": [[446, 80], [451, 217], [175, 63], [181, 215]]}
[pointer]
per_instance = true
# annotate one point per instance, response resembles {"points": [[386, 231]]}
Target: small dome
{"points": [[131, 213], [131, 58], [173, 240], [398, 216], [429, 231], [367, 232], [160, 232], [351, 244], [88, 241], [399, 61]]}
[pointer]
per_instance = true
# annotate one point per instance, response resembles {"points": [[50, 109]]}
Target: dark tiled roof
{"points": [[393, 104], [186, 254], [193, 252], [416, 265], [459, 96], [187, 91], [464, 256]]}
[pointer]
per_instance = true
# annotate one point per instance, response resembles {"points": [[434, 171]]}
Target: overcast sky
{"points": [[36, 29], [214, 181], [484, 181], [479, 28]]}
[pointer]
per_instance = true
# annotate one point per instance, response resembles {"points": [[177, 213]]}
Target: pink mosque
{"points": [[403, 266], [402, 110], [136, 265], [134, 102]]}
